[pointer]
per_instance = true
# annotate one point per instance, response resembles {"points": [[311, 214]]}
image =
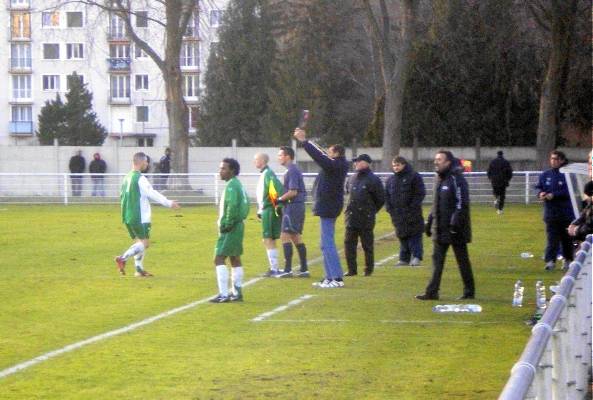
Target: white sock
{"points": [[273, 258], [134, 249], [237, 277], [222, 276], [139, 261]]}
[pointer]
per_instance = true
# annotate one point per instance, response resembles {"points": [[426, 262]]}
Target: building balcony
{"points": [[117, 35], [19, 65], [18, 4], [19, 36], [21, 98], [119, 64], [118, 100], [190, 68], [21, 128]]}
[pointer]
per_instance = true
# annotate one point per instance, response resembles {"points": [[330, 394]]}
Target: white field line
{"points": [[128, 328], [44, 357], [276, 310], [400, 321], [383, 261]]}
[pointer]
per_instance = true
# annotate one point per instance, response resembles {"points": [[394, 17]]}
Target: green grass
{"points": [[59, 286]]}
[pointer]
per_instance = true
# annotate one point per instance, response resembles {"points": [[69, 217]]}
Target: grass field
{"points": [[369, 340]]}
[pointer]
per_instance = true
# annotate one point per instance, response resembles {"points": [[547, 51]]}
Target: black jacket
{"points": [[77, 164], [366, 199], [328, 188], [585, 220], [449, 219], [500, 172], [165, 164], [405, 192], [98, 166]]}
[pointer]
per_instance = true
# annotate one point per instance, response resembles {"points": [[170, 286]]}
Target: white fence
{"points": [[205, 188], [556, 363]]}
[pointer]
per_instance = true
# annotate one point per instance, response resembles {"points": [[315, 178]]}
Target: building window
{"points": [[138, 52], [189, 54], [141, 113], [21, 86], [145, 142], [74, 19], [193, 26], [74, 51], [51, 82], [50, 19], [19, 3], [117, 29], [194, 113], [119, 50], [22, 120], [142, 19], [191, 86], [70, 77], [20, 25], [120, 86], [51, 51], [20, 55], [215, 18], [141, 82]]}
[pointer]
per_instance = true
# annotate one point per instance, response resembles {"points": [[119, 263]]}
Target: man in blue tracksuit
{"points": [[558, 212], [328, 201]]}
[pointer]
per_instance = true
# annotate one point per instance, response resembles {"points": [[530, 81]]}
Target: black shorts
{"points": [[293, 218]]}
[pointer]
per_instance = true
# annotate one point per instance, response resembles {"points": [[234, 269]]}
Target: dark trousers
{"points": [[558, 235], [500, 194], [410, 246], [438, 263], [76, 184], [367, 239]]}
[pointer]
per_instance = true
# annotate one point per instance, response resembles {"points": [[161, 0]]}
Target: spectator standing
{"points": [[234, 208], [500, 174], [449, 225], [366, 197], [558, 213], [77, 165], [268, 190], [405, 192], [293, 214], [328, 201], [98, 167], [164, 169]]}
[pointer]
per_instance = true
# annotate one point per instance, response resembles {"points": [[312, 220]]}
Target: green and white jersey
{"points": [[135, 194], [268, 190], [234, 204]]}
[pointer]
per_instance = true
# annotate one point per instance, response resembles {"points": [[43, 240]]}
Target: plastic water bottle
{"points": [[457, 308], [526, 254], [518, 294], [540, 293]]}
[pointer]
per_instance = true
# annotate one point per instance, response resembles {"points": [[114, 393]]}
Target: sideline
{"points": [[276, 310]]}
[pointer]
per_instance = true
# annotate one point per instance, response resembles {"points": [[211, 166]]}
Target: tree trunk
{"points": [[547, 127], [395, 85]]}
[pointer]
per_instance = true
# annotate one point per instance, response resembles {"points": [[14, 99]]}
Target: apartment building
{"points": [[46, 42]]}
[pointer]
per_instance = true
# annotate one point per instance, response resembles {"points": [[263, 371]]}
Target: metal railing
{"points": [[556, 363], [206, 188]]}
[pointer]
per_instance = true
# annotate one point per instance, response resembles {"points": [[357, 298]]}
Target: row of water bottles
{"points": [[540, 295]]}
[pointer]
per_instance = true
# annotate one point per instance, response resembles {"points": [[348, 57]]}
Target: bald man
{"points": [[269, 189]]}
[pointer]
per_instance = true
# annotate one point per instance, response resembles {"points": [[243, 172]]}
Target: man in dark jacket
{"points": [[164, 168], [500, 173], [97, 167], [77, 165], [449, 224], [366, 199], [404, 195], [558, 213], [328, 201]]}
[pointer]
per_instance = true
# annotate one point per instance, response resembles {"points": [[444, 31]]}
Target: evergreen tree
{"points": [[74, 123], [237, 78]]}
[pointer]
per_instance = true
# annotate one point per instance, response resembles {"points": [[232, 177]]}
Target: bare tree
{"points": [[556, 18], [394, 49], [173, 17]]}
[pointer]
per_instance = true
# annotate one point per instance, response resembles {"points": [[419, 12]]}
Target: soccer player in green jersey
{"points": [[233, 209], [269, 189], [136, 192]]}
